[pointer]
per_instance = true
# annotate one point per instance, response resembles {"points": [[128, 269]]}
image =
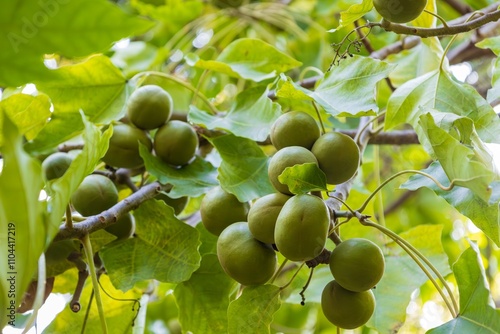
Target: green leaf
{"points": [[477, 308], [461, 153], [96, 145], [28, 113], [243, 171], [22, 218], [436, 90], [291, 90], [96, 86], [253, 311], [208, 241], [485, 216], [493, 43], [32, 29], [348, 89], [203, 299], [250, 117], [119, 309], [402, 276], [248, 58], [303, 178], [192, 180], [163, 248], [353, 13]]}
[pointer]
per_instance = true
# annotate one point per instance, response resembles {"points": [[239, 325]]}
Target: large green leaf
{"points": [[303, 178], [477, 308], [203, 299], [22, 218], [402, 276], [353, 13], [191, 180], [243, 171], [288, 89], [493, 43], [253, 311], [163, 248], [485, 216], [248, 58], [461, 153], [96, 86], [28, 113], [349, 88], [119, 308], [251, 116], [436, 90], [32, 29]]}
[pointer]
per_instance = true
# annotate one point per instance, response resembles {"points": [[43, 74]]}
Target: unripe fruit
{"points": [[178, 204], [219, 209], [55, 165], [244, 258], [263, 215], [347, 309], [357, 264], [338, 156], [287, 157], [149, 107], [399, 11], [123, 148], [175, 143], [60, 250], [94, 195], [295, 128], [123, 228], [302, 228]]}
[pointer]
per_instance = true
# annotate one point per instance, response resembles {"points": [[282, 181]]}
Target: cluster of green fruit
{"points": [[150, 108], [357, 265]]}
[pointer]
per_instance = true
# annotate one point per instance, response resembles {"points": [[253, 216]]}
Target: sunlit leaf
{"points": [[243, 171], [353, 13], [493, 43], [163, 248], [203, 299], [291, 90], [258, 304], [303, 178]]}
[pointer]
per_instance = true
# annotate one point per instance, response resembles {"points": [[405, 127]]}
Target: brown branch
{"points": [[110, 216]]}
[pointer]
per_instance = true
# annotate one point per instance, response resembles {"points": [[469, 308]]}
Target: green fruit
{"points": [[176, 143], [302, 228], [295, 128], [263, 215], [347, 309], [357, 264], [123, 151], [219, 209], [245, 259], [399, 11], [94, 195], [149, 107], [124, 228], [287, 157], [338, 156], [59, 251], [55, 165], [178, 204]]}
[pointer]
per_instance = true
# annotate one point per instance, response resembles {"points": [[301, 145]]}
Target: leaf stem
{"points": [[293, 277], [303, 301], [280, 269], [415, 254], [69, 217], [319, 117], [87, 246]]}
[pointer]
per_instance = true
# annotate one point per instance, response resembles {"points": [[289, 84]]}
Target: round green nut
{"points": [[295, 128], [287, 157], [176, 143], [123, 150], [124, 227], [219, 209], [338, 156], [347, 309], [302, 228], [263, 215], [149, 107], [59, 251], [95, 194], [357, 264], [178, 204], [55, 165], [244, 258], [399, 11]]}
